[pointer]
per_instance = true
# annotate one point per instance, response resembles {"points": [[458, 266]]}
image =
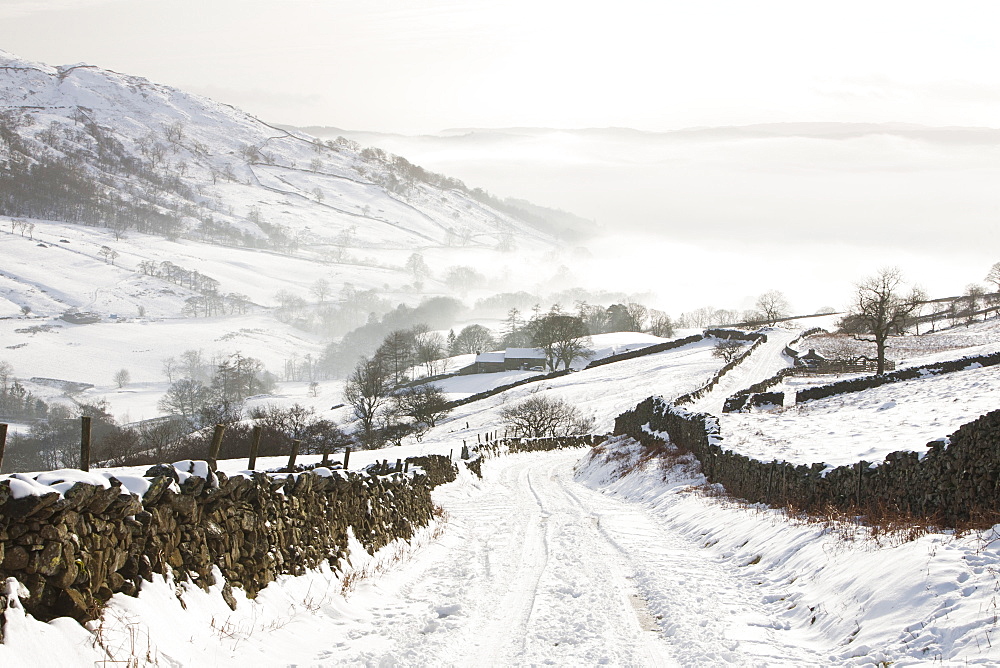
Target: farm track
{"points": [[535, 569]]}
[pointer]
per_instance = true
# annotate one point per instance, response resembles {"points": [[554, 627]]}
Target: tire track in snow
{"points": [[536, 568], [519, 601], [710, 611], [588, 608]]}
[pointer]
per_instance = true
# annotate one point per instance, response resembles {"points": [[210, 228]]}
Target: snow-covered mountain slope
{"points": [[144, 204], [204, 165]]}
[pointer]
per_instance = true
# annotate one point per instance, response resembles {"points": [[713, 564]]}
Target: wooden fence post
{"points": [[347, 456], [295, 454], [85, 443], [399, 465], [3, 442], [858, 495], [254, 447], [213, 450]]}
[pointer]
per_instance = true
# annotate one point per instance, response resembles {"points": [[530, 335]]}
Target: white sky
{"points": [[422, 66]]}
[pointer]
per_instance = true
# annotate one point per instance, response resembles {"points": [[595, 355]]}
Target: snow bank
{"points": [[856, 597]]}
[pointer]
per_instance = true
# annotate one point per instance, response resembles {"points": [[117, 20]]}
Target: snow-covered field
{"points": [[602, 392], [868, 425], [865, 425]]}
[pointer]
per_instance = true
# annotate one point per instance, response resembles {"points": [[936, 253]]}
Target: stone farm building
{"points": [[511, 359]]}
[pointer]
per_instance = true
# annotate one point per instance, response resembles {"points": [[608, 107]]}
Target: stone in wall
{"points": [[74, 547]]}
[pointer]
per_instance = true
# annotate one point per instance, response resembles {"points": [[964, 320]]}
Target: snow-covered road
{"points": [[536, 568], [761, 364], [617, 561]]}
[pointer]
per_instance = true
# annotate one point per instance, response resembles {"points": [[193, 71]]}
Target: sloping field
{"points": [[870, 424]]}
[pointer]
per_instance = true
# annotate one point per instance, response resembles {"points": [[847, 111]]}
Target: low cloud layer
{"points": [[830, 202]]}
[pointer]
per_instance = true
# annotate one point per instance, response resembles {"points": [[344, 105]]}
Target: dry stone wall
{"points": [[75, 546], [648, 350], [911, 373], [956, 480], [758, 340], [498, 446]]}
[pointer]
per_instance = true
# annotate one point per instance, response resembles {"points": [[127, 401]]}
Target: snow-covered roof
{"points": [[490, 357], [525, 353]]}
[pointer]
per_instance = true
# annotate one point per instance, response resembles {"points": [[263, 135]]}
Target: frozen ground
{"points": [[868, 425], [621, 563], [865, 425]]}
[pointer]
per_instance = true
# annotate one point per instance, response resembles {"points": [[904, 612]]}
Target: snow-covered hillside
{"points": [[153, 208], [868, 425], [226, 162], [639, 569]]}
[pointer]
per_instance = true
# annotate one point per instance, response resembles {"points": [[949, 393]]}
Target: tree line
{"points": [[16, 402]]}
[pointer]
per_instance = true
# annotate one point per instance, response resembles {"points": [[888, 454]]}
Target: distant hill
{"points": [[184, 224], [86, 145], [563, 224]]}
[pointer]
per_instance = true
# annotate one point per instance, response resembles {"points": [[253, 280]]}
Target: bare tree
{"points": [[728, 349], [473, 339], [416, 265], [426, 404], [252, 154], [397, 354], [6, 373], [660, 324], [974, 299], [994, 276], [561, 337], [463, 279], [539, 416], [367, 391], [174, 132], [158, 436], [122, 378], [430, 349], [170, 368], [773, 306], [186, 398], [320, 289], [879, 311]]}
